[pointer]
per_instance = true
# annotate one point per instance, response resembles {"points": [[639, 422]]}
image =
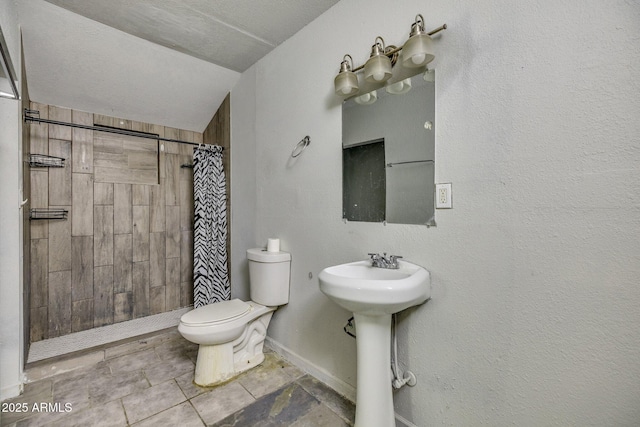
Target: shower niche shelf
{"points": [[45, 161], [47, 213]]}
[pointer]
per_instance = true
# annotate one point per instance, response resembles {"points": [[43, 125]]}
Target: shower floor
{"points": [[96, 337]]}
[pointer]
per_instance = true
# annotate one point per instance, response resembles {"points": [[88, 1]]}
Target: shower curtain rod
{"points": [[29, 117]]}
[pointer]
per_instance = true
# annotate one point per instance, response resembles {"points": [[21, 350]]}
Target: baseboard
{"points": [[335, 383], [403, 422]]}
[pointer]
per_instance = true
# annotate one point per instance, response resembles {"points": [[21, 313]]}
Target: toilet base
{"points": [[220, 363]]}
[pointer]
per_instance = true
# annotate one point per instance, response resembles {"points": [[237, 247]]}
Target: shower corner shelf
{"points": [[47, 213], [45, 161]]}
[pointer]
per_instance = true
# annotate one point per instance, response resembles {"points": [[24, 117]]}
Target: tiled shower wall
{"points": [[125, 250]]}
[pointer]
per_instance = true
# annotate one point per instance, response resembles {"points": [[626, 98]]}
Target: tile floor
{"points": [[149, 382]]}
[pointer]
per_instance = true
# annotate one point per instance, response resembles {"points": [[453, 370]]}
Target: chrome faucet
{"points": [[382, 261]]}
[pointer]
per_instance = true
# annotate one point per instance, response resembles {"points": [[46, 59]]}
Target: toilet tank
{"points": [[269, 274]]}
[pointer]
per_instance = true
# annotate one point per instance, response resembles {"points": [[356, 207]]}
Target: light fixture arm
{"points": [[437, 30]]}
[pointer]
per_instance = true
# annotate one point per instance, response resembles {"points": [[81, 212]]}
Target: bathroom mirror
{"points": [[388, 151], [8, 88]]}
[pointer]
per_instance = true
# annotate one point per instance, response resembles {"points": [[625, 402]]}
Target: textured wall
{"points": [[107, 71], [534, 317], [243, 181], [126, 250]]}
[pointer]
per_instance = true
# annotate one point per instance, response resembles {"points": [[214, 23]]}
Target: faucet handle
{"points": [[394, 258], [374, 255]]}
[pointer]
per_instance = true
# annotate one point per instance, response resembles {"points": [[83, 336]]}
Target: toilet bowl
{"points": [[231, 334]]}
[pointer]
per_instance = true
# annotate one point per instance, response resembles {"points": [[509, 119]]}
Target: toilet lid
{"points": [[216, 312]]}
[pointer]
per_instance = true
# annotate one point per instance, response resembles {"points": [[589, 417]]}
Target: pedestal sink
{"points": [[373, 294]]}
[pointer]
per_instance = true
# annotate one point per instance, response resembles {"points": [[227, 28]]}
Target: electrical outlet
{"points": [[443, 196]]}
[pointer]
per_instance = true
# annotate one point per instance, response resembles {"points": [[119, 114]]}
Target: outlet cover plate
{"points": [[443, 196]]}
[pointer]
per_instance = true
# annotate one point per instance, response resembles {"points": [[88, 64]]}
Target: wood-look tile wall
{"points": [[218, 132], [126, 249]]}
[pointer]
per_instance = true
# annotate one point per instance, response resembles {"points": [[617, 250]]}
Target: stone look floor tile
{"points": [[280, 408], [178, 348], [294, 372], [167, 369], [116, 386], [182, 415], [344, 408], [80, 377], [108, 415], [133, 362], [141, 344], [47, 418], [221, 402], [40, 372], [267, 377], [320, 416], [189, 388], [34, 393], [149, 382], [153, 400]]}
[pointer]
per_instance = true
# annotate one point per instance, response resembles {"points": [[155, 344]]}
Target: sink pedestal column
{"points": [[374, 397]]}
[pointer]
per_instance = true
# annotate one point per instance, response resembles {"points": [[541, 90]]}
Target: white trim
{"points": [[320, 374], [347, 390], [404, 421]]}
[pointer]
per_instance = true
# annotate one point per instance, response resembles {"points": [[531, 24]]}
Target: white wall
{"points": [[75, 62], [243, 181], [534, 317], [10, 222]]}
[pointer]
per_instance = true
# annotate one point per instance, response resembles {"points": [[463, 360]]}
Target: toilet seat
{"points": [[220, 322], [218, 312]]}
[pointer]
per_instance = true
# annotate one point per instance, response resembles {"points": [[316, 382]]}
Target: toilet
{"points": [[231, 334]]}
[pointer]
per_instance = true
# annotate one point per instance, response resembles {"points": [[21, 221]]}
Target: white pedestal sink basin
{"points": [[373, 294]]}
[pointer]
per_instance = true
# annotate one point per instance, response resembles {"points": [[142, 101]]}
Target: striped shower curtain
{"points": [[210, 275]]}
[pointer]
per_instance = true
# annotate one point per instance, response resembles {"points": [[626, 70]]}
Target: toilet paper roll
{"points": [[273, 245]]}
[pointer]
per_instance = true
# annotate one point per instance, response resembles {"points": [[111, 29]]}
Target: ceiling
{"points": [[169, 62], [233, 34]]}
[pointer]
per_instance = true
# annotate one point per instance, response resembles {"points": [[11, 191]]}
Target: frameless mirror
{"points": [[8, 88], [388, 151]]}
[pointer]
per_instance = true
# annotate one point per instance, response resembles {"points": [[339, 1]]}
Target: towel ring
{"points": [[300, 146]]}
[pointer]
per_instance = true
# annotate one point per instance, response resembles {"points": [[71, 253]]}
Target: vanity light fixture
{"points": [[379, 67], [415, 52], [346, 82]]}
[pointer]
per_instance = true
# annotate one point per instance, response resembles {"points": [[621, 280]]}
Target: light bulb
{"points": [[418, 58], [378, 76], [367, 98]]}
